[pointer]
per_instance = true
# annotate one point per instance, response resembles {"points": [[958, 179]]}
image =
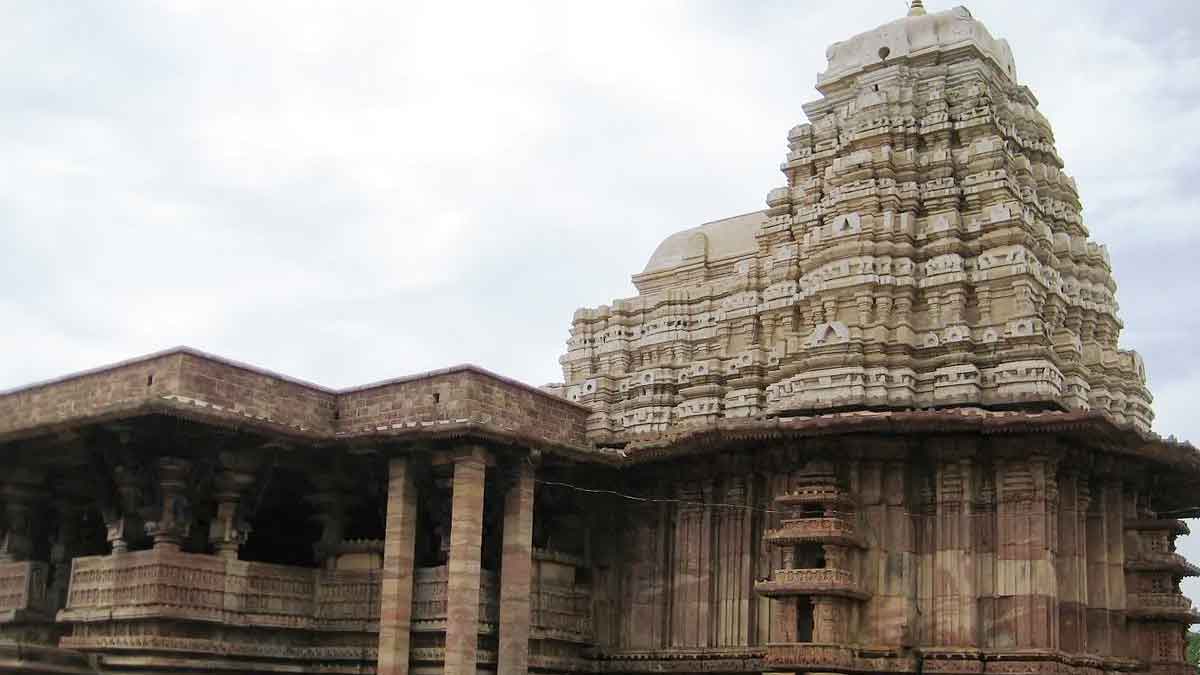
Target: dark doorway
{"points": [[804, 619]]}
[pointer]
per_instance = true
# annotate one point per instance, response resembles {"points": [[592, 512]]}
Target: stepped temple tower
{"points": [[881, 426]]}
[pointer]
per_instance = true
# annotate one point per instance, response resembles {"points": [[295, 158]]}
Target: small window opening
{"points": [[810, 556], [812, 511], [150, 379], [804, 619], [437, 398]]}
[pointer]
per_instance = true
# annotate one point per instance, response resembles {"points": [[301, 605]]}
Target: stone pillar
{"points": [[228, 531], [20, 504], [120, 520], [1115, 506], [516, 572], [395, 605], [330, 505], [174, 518], [466, 544], [1096, 554], [64, 549]]}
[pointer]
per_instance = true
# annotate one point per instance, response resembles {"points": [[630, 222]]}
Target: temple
{"points": [[881, 426]]}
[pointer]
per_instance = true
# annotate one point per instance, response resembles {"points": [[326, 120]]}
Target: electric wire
{"points": [[734, 507], [658, 500]]}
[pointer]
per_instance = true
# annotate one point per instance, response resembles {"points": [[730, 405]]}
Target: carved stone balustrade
{"points": [[811, 582], [817, 494], [561, 608], [1166, 606], [23, 594], [1149, 561], [835, 658], [168, 584], [831, 658], [822, 530], [217, 607], [429, 600], [116, 605], [1172, 669]]}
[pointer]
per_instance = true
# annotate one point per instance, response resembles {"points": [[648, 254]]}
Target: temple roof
{"points": [[914, 35], [461, 400], [725, 238]]}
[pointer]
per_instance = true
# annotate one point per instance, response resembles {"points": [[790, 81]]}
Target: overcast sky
{"points": [[347, 191]]}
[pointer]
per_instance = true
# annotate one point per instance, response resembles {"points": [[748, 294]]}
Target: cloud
{"points": [[346, 192]]}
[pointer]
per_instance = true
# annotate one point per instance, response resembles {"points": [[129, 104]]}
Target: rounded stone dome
{"points": [[720, 239]]}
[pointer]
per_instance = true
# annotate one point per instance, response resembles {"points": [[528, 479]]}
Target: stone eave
{"points": [[1094, 429], [178, 382], [420, 435]]}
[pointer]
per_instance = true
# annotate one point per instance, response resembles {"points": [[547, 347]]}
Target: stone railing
{"points": [[818, 581], [23, 592], [820, 530], [815, 494], [1154, 561], [811, 657], [839, 658], [200, 588], [562, 613], [161, 584], [429, 600], [1161, 606], [675, 660]]}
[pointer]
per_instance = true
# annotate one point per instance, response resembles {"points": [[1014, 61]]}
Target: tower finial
{"points": [[917, 8]]}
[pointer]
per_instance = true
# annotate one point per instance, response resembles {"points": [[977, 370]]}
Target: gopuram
{"points": [[881, 426]]}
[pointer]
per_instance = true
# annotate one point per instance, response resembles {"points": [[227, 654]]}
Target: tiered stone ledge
{"points": [[1169, 525], [839, 658], [32, 658], [972, 661], [1163, 562], [822, 530], [157, 584], [1162, 606], [681, 660], [812, 582], [817, 494], [23, 592]]}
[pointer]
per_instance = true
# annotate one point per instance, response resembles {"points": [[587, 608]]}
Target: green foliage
{"points": [[1193, 650]]}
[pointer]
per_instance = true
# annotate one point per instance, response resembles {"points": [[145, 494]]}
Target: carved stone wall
{"points": [[971, 551]]}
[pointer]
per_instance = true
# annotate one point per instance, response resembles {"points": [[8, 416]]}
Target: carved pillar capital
{"points": [[20, 511], [229, 530], [121, 511], [173, 519], [330, 505]]}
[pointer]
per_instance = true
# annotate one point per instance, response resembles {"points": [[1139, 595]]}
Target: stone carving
{"points": [[881, 426], [926, 216]]}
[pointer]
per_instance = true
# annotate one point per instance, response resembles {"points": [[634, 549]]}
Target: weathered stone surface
{"points": [[182, 381], [927, 250], [396, 595], [462, 590], [516, 571], [881, 426]]}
